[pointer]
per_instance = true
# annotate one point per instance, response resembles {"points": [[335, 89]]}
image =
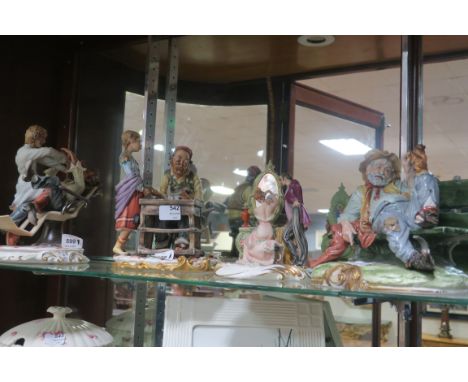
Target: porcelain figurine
{"points": [[261, 253], [33, 154], [386, 205], [55, 194], [237, 206], [298, 220], [260, 247], [49, 202], [129, 191], [180, 182]]}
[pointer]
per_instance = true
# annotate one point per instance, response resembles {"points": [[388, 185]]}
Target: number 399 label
{"points": [[71, 241], [169, 213]]}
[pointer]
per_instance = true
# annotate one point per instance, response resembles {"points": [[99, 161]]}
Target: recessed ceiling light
{"points": [[316, 40], [158, 147], [323, 210], [346, 146], [240, 172], [222, 190]]}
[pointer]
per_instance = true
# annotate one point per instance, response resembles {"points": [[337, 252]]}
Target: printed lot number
{"points": [[169, 213], [71, 241]]}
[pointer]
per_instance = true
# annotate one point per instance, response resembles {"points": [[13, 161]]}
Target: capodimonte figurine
{"points": [[31, 156], [56, 193], [298, 219], [129, 191], [45, 203], [180, 182], [386, 205], [261, 253], [260, 247], [237, 205]]}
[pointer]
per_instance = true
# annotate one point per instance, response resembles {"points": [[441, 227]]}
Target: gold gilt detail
{"points": [[345, 276], [289, 271], [183, 265]]}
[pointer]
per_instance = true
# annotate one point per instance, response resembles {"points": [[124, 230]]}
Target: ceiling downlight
{"points": [[315, 40]]}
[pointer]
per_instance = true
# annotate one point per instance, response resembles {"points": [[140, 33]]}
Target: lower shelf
{"points": [[434, 341]]}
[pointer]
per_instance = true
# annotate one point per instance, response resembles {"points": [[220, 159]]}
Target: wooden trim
{"points": [[339, 107]]}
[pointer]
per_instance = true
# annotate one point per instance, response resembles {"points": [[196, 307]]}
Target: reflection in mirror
{"points": [[258, 245], [223, 156], [269, 187], [266, 201], [445, 115]]}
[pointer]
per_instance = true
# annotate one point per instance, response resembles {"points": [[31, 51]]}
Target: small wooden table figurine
{"points": [[170, 210]]}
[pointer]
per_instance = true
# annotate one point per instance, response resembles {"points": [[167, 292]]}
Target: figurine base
{"points": [[177, 253], [41, 255], [361, 275], [179, 264], [265, 272]]}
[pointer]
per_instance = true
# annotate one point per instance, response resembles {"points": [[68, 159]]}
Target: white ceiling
{"points": [[225, 138]]}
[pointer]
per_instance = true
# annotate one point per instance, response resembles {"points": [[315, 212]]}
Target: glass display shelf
{"points": [[104, 267]]}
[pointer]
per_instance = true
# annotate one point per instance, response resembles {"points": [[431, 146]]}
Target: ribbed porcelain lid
{"points": [[56, 331]]}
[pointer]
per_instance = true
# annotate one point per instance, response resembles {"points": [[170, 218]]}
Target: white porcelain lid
{"points": [[56, 331]]}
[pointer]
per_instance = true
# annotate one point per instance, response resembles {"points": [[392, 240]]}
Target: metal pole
{"points": [[379, 135], [376, 322], [280, 134], [411, 89], [149, 132], [404, 96], [404, 317], [139, 323], [415, 324], [171, 99], [151, 98], [160, 314]]}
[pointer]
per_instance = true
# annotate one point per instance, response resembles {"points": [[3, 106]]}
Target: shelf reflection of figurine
{"points": [[129, 191], [211, 211], [179, 182], [386, 205], [34, 157], [237, 203]]}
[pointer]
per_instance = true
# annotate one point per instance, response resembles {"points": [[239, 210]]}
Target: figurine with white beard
{"points": [[386, 205]]}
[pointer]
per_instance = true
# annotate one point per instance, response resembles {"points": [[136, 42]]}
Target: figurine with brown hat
{"points": [[181, 182], [386, 205]]}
